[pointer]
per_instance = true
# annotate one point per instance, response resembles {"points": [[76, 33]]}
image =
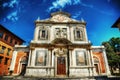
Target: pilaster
{"points": [[33, 55], [106, 63], [92, 62], [12, 66], [36, 33]]}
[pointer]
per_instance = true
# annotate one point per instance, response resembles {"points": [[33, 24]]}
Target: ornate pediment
{"points": [[60, 18]]}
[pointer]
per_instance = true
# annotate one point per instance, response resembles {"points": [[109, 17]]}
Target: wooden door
{"points": [[61, 66]]}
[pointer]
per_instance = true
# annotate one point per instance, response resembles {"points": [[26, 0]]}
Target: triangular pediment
{"points": [[61, 41]]}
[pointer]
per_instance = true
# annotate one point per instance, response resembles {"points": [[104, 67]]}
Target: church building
{"points": [[60, 48]]}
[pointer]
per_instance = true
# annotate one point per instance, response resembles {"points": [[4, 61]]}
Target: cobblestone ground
{"points": [[37, 78]]}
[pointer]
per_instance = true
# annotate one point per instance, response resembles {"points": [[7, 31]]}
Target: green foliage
{"points": [[111, 49]]}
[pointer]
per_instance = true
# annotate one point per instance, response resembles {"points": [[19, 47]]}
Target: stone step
{"points": [[43, 78], [54, 78]]}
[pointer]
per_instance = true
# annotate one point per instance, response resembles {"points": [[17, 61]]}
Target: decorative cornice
{"points": [[52, 22]]}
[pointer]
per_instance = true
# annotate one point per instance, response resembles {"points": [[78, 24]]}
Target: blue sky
{"points": [[19, 15]]}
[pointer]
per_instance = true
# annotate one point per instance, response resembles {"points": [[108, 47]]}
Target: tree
{"points": [[112, 47]]}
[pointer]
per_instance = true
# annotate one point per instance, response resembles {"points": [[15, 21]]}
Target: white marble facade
{"points": [[60, 48]]}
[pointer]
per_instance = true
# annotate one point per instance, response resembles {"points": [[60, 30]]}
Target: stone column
{"points": [[49, 55], [89, 58], [85, 33], [52, 59], [92, 62], [106, 62], [70, 57], [33, 55], [74, 59], [29, 59], [69, 32], [36, 33], [12, 65]]}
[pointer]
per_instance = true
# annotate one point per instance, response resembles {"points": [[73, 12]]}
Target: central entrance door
{"points": [[61, 66]]}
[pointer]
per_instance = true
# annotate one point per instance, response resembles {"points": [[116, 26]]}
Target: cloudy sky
{"points": [[19, 15]]}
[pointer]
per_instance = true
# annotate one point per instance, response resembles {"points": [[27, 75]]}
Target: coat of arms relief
{"points": [[60, 18]]}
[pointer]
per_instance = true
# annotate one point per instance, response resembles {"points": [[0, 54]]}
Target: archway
{"points": [[23, 64]]}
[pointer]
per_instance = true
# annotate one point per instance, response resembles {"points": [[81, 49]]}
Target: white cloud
{"points": [[77, 1], [11, 4], [5, 4], [77, 14], [62, 3], [13, 16], [14, 10], [86, 5]]}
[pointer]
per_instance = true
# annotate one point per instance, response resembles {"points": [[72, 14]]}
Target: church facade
{"points": [[61, 48]]}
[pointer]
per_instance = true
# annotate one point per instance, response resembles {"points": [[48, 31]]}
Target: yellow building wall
{"points": [[4, 68]]}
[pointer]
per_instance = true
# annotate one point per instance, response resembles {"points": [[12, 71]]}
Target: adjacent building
{"points": [[60, 48], [7, 42], [116, 24]]}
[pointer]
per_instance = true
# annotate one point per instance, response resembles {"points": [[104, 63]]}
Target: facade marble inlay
{"points": [[60, 48]]}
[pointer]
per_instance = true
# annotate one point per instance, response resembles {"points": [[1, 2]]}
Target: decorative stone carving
{"points": [[61, 51], [60, 18]]}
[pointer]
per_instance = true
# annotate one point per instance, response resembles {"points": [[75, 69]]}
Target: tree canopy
{"points": [[112, 47]]}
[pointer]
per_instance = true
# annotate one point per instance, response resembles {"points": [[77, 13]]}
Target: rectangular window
{"points": [[1, 59], [57, 32], [78, 35], [2, 50], [64, 33], [6, 61], [80, 58], [1, 34], [42, 34], [41, 58], [8, 52], [11, 40], [15, 42], [6, 37]]}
